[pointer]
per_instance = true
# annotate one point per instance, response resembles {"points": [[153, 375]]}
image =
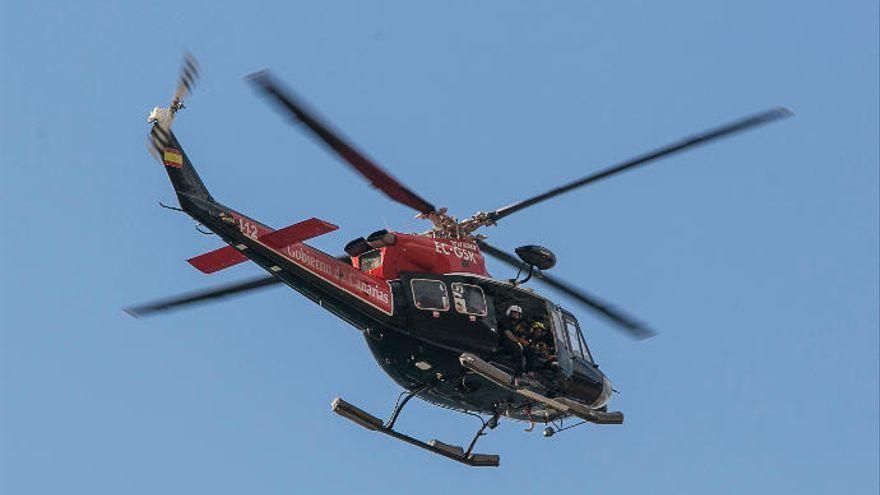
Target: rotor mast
{"points": [[447, 226]]}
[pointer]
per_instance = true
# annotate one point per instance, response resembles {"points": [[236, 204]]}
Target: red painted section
{"points": [[414, 253], [297, 232], [369, 289], [409, 253], [217, 260], [374, 291]]}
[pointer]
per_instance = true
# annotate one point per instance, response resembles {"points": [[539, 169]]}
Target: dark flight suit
{"points": [[518, 329], [537, 353]]}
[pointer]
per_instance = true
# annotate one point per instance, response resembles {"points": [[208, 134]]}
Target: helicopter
{"points": [[430, 312]]}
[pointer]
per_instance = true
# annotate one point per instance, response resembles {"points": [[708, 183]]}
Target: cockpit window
{"points": [[575, 340], [430, 294], [370, 260], [469, 299]]}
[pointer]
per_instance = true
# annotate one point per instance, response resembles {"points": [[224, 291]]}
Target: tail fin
{"points": [[167, 149], [163, 144]]}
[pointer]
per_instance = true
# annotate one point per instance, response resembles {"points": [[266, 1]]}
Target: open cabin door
{"points": [[450, 310]]}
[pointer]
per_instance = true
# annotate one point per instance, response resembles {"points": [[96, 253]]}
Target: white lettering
{"points": [[441, 248], [466, 251]]}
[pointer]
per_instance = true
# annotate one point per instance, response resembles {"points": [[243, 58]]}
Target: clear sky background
{"points": [[756, 258]]}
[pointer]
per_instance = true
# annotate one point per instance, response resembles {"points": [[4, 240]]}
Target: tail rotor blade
{"points": [[189, 75]]}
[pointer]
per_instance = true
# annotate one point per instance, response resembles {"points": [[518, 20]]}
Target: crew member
{"points": [[514, 333], [538, 353]]}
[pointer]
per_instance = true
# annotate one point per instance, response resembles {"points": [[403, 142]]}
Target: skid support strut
{"points": [[454, 452], [399, 407], [491, 424]]}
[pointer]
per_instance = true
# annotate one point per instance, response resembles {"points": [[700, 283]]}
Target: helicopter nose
{"points": [[605, 396]]}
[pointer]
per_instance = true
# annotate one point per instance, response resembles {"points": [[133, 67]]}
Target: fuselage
{"points": [[421, 303]]}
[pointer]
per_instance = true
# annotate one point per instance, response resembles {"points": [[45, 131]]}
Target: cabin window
{"points": [[469, 299], [370, 260], [429, 294]]}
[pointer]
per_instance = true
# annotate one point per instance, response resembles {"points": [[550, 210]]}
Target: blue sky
{"points": [[756, 258]]}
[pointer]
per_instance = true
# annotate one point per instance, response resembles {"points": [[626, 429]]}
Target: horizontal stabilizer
{"points": [[297, 232], [217, 259]]}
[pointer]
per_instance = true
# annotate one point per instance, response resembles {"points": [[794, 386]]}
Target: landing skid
{"points": [[561, 404], [454, 452]]}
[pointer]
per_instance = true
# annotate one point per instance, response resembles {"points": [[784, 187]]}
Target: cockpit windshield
{"points": [[576, 343]]}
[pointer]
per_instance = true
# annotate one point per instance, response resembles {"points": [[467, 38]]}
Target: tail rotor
{"points": [[189, 75]]}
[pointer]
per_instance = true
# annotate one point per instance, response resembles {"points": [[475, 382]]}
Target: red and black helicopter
{"points": [[427, 307]]}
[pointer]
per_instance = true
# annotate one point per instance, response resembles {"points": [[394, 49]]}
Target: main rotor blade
{"points": [[623, 321], [202, 296], [689, 142], [379, 178]]}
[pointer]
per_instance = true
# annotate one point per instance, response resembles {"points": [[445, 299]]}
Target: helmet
{"points": [[514, 308]]}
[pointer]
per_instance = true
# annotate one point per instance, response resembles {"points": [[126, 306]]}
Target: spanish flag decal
{"points": [[172, 158]]}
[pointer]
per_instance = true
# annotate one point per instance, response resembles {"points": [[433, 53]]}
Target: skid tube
{"points": [[454, 452]]}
